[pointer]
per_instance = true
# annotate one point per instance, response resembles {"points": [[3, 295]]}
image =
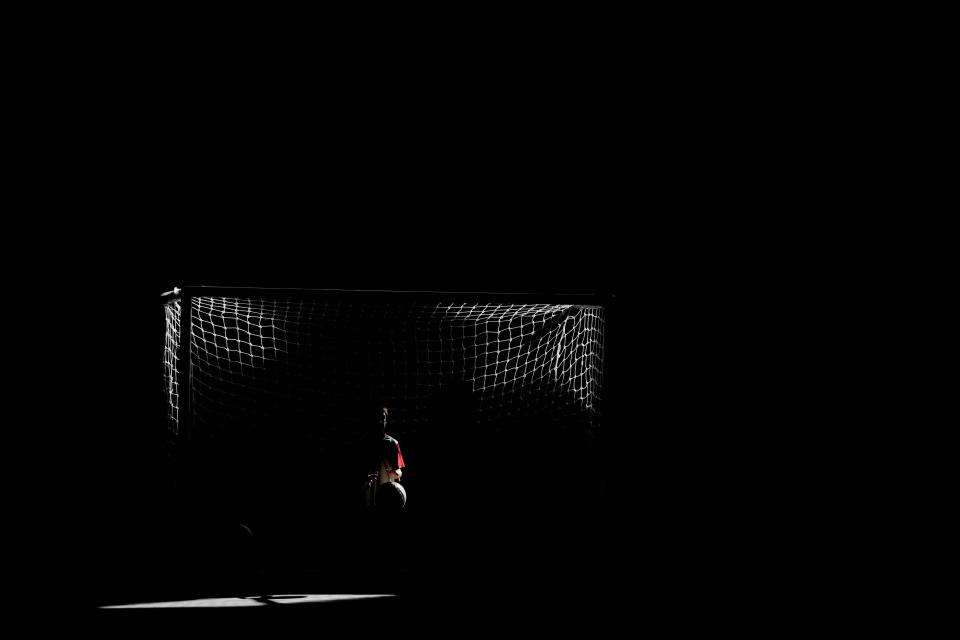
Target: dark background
{"points": [[133, 181], [137, 183]]}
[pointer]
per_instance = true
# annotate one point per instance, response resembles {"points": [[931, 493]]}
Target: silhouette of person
{"points": [[384, 461]]}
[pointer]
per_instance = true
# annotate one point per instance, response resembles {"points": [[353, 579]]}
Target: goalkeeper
{"points": [[385, 460]]}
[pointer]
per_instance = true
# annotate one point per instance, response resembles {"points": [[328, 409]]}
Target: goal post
{"points": [[304, 366]]}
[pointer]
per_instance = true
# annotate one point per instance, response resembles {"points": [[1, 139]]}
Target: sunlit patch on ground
{"points": [[251, 601]]}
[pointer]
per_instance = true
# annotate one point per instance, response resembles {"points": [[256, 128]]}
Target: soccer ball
{"points": [[391, 495]]}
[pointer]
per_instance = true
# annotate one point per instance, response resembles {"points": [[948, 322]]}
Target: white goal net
{"points": [[314, 366]]}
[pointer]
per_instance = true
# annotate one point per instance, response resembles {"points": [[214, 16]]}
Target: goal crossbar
{"points": [[528, 297]]}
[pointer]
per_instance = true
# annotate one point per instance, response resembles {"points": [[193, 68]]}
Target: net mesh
{"points": [[313, 366], [171, 381]]}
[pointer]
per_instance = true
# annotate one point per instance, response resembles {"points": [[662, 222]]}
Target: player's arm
{"points": [[394, 472], [397, 469]]}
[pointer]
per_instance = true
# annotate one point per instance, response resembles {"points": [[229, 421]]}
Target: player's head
{"points": [[378, 428]]}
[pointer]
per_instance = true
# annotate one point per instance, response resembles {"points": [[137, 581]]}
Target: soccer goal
{"points": [[306, 367], [237, 358]]}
